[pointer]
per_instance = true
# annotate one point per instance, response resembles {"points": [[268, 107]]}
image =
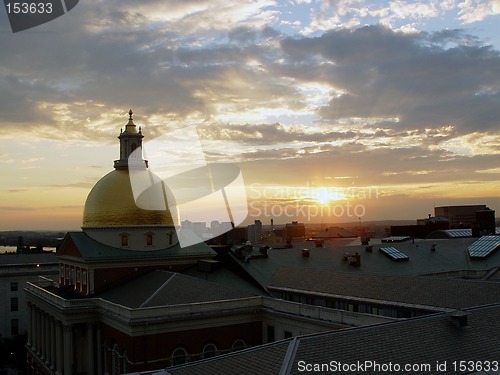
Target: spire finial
{"points": [[130, 119]]}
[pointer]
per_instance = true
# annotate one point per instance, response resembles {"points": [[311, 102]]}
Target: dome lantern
{"points": [[130, 141]]}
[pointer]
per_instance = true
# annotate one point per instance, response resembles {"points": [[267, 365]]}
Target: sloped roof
{"points": [[264, 359], [416, 341], [91, 249], [417, 290], [425, 340], [162, 288]]}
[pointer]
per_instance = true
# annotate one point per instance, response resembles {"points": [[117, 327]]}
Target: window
{"points": [[209, 351], [84, 277], [14, 327], [14, 304], [238, 345], [170, 238], [179, 356], [78, 275], [14, 286], [288, 334], [149, 239], [125, 360], [116, 360], [270, 333], [124, 240]]}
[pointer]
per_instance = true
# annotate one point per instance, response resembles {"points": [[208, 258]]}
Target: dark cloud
{"points": [[382, 166], [269, 134], [418, 78], [389, 87]]}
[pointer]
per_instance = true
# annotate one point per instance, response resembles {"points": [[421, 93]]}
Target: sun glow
{"points": [[326, 195]]}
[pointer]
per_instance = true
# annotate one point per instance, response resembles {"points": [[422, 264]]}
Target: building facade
{"points": [[459, 216], [16, 270]]}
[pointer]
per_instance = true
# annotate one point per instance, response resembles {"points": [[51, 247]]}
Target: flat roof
{"points": [[449, 255]]}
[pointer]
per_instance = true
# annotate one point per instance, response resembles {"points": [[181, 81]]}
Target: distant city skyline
{"points": [[316, 101]]}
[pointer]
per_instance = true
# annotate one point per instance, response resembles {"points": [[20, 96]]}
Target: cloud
{"points": [[417, 79], [258, 92], [379, 167], [474, 10]]}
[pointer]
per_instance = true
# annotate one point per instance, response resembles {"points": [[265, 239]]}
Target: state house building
{"points": [[130, 298]]}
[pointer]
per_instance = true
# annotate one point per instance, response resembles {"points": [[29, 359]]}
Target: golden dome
{"points": [[111, 202]]}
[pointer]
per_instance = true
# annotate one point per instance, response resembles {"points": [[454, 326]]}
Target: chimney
{"points": [[459, 318]]}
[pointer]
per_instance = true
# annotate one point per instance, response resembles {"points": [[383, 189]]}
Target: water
{"points": [[12, 249]]}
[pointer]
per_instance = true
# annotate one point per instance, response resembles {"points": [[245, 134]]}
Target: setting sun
{"points": [[325, 195]]}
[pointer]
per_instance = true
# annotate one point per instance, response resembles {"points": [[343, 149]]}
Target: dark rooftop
{"points": [[447, 293], [423, 341], [162, 288], [449, 255]]}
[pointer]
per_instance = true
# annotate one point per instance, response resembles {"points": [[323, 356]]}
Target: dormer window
{"points": [[124, 240]]}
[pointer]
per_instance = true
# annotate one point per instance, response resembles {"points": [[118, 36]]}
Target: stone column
{"points": [[52, 344], [90, 348], [42, 336], [38, 332], [99, 349], [30, 324], [59, 349], [47, 339], [34, 329], [68, 349]]}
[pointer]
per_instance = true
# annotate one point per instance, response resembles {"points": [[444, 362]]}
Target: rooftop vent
{"points": [[459, 318], [208, 265]]}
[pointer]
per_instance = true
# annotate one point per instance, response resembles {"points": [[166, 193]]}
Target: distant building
{"points": [[237, 235], [15, 271], [295, 230], [459, 216], [485, 221], [423, 227], [199, 228], [255, 232], [334, 232]]}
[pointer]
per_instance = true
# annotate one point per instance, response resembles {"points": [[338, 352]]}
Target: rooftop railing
{"points": [[169, 312]]}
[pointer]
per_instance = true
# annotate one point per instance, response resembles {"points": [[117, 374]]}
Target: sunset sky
{"points": [[389, 107]]}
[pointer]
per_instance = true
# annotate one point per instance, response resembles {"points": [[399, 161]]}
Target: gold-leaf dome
{"points": [[111, 202]]}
